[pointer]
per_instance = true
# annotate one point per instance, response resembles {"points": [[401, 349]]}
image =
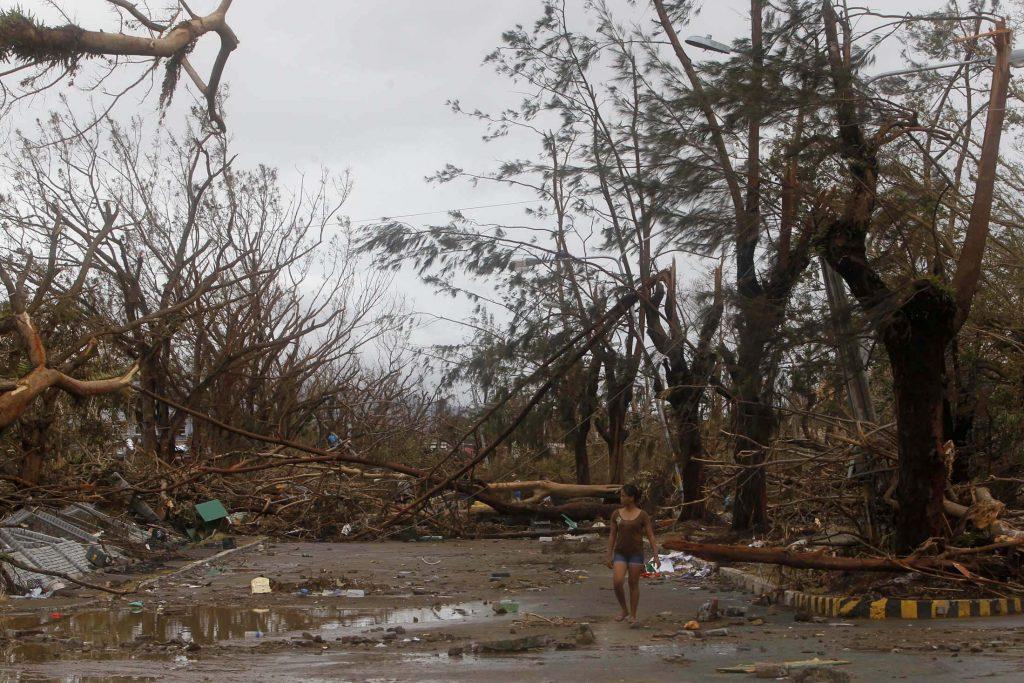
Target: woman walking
{"points": [[629, 525]]}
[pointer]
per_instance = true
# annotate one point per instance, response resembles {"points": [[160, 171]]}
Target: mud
{"points": [[429, 608]]}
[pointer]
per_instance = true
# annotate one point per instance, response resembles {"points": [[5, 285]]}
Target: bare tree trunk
{"points": [[754, 419], [576, 411], [616, 433], [755, 425], [35, 439]]}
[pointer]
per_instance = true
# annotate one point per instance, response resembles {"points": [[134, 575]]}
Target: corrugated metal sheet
{"points": [[53, 541]]}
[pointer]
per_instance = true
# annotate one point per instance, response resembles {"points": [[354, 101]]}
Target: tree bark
{"points": [[35, 440], [916, 340], [755, 425]]}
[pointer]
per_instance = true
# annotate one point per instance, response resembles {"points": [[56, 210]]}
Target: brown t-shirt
{"points": [[629, 533]]}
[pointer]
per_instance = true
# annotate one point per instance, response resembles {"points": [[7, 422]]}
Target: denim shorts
{"points": [[629, 559]]}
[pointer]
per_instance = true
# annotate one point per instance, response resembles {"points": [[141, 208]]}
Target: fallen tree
{"points": [[542, 488], [474, 489], [818, 560]]}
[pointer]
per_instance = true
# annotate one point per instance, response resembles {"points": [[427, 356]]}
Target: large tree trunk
{"points": [[615, 431], [576, 411], [684, 410], [755, 426], [916, 339], [754, 415], [687, 387], [35, 439], [691, 451], [616, 434], [579, 452]]}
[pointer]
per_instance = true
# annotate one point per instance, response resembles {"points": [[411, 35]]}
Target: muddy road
{"points": [[425, 605]]}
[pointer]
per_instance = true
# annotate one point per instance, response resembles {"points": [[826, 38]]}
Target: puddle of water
{"points": [[205, 625]]}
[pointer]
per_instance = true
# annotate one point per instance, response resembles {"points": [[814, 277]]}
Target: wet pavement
{"points": [[103, 630], [425, 601]]}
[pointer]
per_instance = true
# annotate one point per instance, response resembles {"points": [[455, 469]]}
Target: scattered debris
{"points": [[787, 668], [260, 585], [73, 541], [708, 611], [212, 514], [585, 635], [514, 644]]}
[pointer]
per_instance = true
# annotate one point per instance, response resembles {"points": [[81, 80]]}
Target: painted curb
{"points": [[883, 608]]}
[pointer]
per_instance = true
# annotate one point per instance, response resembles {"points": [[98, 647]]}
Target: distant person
{"points": [[629, 525]]}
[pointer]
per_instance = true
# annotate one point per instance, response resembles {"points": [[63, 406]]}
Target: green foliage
{"points": [[24, 39]]}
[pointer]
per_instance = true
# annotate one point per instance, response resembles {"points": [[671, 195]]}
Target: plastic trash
{"points": [[260, 584], [355, 593], [431, 538], [570, 523], [135, 606]]}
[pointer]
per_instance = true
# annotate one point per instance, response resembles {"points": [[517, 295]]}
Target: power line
{"points": [[429, 213]]}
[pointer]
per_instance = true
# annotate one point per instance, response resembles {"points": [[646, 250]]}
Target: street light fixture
{"points": [[708, 43], [1016, 60]]}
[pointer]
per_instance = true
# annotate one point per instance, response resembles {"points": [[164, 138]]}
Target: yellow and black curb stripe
{"points": [[883, 608], [897, 608]]}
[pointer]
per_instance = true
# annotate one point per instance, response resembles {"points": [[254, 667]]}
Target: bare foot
{"points": [[622, 616]]}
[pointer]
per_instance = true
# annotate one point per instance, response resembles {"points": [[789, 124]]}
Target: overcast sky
{"points": [[362, 85]]}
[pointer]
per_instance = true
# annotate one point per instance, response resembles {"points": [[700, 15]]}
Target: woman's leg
{"points": [[618, 581], [634, 589]]}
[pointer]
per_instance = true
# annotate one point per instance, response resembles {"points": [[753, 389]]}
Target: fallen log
{"points": [[541, 488], [788, 558], [540, 534], [575, 511], [983, 513]]}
